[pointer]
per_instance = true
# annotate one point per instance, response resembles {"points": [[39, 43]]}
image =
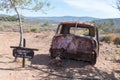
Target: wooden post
{"points": [[23, 61], [24, 42]]}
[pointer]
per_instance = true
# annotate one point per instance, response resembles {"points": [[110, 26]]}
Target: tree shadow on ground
{"points": [[70, 74], [41, 59], [117, 71], [44, 59], [70, 70]]}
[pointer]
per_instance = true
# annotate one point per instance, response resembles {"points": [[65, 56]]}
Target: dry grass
{"points": [[112, 38], [1, 27], [35, 29]]}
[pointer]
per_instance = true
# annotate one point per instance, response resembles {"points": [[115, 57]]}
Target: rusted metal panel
{"points": [[80, 24], [72, 43]]}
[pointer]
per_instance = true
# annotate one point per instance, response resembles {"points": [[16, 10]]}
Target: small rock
{"points": [[91, 74], [10, 73], [33, 76]]}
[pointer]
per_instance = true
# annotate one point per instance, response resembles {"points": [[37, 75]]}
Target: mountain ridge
{"points": [[61, 18], [58, 19]]}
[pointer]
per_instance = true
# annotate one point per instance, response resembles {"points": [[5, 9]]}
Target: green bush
{"points": [[9, 18], [46, 23], [1, 27], [117, 41], [35, 29]]}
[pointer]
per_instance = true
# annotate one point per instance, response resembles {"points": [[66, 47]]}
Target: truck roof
{"points": [[78, 24]]}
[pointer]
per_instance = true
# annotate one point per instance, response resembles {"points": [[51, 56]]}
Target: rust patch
{"points": [[72, 43]]}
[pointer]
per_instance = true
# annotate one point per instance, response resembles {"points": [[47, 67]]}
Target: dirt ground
{"points": [[106, 68]]}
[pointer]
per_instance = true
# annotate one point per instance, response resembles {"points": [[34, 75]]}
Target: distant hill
{"points": [[3, 15], [71, 18], [115, 20], [59, 19], [67, 18]]}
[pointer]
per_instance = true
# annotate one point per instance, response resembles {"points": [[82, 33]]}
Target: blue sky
{"points": [[81, 8]]}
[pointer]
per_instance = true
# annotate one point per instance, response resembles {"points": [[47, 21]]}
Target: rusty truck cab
{"points": [[71, 40]]}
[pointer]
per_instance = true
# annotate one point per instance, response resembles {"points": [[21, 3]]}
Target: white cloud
{"points": [[102, 6]]}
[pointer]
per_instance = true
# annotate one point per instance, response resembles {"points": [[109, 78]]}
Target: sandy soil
{"points": [[106, 68]]}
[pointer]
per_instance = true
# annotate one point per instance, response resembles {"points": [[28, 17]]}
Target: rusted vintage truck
{"points": [[76, 40]]}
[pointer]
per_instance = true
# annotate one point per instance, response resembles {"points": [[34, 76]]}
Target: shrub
{"points": [[101, 31], [35, 29], [118, 52], [106, 38], [25, 30], [46, 23], [118, 46], [117, 41], [1, 27]]}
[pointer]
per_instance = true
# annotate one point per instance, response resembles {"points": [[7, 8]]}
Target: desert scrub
{"points": [[118, 46], [1, 27], [46, 23], [27, 29], [8, 24], [35, 29], [117, 41], [118, 52], [101, 31], [107, 38]]}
